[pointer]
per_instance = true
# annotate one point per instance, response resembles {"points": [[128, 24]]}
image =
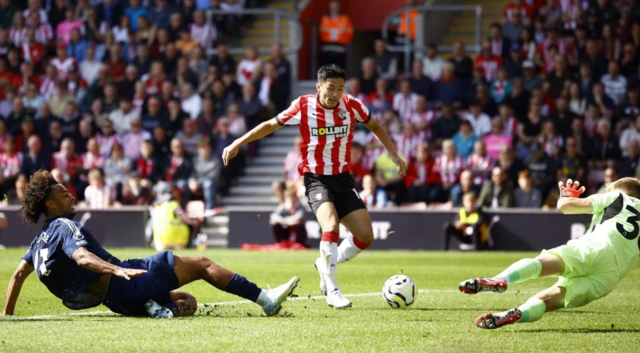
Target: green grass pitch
{"points": [[441, 319]]}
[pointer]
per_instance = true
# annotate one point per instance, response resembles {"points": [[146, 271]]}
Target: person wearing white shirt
{"points": [[405, 101], [250, 67], [615, 85], [432, 63], [123, 116], [90, 67], [629, 135], [191, 101], [480, 122]]}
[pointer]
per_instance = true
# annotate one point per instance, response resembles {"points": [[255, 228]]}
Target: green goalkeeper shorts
{"points": [[590, 272]]}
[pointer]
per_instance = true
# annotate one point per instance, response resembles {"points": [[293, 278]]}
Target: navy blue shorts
{"points": [[127, 297]]}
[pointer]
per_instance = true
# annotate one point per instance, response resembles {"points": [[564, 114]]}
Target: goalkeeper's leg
{"points": [[532, 310], [544, 265]]}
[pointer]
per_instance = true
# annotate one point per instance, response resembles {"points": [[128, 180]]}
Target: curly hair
{"points": [[38, 191]]}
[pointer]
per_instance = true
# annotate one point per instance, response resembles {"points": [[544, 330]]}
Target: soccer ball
{"points": [[399, 291]]}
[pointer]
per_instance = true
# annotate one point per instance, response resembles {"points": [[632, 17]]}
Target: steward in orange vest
{"points": [[336, 32]]}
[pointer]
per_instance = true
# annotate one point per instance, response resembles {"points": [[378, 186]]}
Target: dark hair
{"points": [[38, 191], [331, 71]]}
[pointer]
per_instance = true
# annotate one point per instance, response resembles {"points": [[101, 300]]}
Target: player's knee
{"points": [[365, 238]]}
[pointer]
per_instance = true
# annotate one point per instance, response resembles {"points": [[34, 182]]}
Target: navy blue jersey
{"points": [[50, 254]]}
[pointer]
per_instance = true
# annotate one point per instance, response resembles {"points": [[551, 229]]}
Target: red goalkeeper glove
{"points": [[572, 189]]}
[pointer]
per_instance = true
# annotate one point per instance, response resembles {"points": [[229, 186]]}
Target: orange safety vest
{"points": [[338, 30], [402, 27]]}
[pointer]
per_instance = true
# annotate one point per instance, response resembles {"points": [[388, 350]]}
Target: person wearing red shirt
{"points": [[356, 167], [32, 51], [423, 181], [22, 81], [488, 62], [518, 8], [156, 76]]}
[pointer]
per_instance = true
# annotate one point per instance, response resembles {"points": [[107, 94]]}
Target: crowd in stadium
{"points": [[553, 94], [117, 96]]}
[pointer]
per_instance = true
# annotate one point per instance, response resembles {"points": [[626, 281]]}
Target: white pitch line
{"points": [[234, 302]]}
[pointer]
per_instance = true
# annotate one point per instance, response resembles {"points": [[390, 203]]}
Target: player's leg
{"points": [[532, 310], [189, 269], [359, 224], [546, 264]]}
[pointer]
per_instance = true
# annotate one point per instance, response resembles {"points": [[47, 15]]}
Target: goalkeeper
{"points": [[589, 268]]}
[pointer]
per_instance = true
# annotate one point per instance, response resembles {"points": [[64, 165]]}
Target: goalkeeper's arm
{"points": [[572, 205]]}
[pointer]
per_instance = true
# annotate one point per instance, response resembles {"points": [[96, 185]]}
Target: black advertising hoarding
{"points": [[521, 230], [115, 227]]}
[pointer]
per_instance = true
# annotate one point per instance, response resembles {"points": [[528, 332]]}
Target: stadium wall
{"points": [[516, 230], [111, 227]]}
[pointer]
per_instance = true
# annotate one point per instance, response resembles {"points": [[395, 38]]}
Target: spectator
{"points": [[628, 166], [408, 140], [121, 118], [134, 11], [498, 192], [15, 196], [92, 158], [65, 28], [147, 166], [447, 125], [31, 50], [518, 8], [501, 87], [449, 165], [480, 163], [67, 161], [469, 227], [531, 80], [404, 102], [154, 117], [117, 170], [35, 158], [480, 122], [423, 181], [464, 186], [577, 102], [630, 134], [61, 99], [513, 62], [288, 219], [615, 85], [629, 61], [222, 60], [572, 164], [487, 61], [512, 28], [249, 68], [380, 100], [500, 45], [179, 168], [462, 62], [160, 14], [185, 44], [549, 141], [388, 179], [133, 139], [54, 141], [525, 196], [518, 100], [432, 63], [595, 60], [372, 196], [465, 139], [7, 11], [189, 136], [420, 84], [612, 46], [204, 33], [449, 87], [10, 163], [170, 222], [610, 175], [136, 192], [542, 168], [629, 107], [336, 32], [368, 77], [605, 145], [282, 82], [206, 172], [510, 164], [269, 92], [386, 63]]}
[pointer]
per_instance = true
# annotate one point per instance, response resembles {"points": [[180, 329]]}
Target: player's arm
{"points": [[15, 285], [386, 141], [87, 260], [258, 132], [569, 201]]}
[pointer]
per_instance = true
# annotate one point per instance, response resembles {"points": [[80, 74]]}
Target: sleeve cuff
{"points": [[279, 121], [368, 119]]}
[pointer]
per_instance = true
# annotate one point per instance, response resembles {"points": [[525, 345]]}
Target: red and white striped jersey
{"points": [[64, 66], [405, 105], [450, 169], [326, 133], [408, 145], [480, 167], [417, 118], [44, 33], [291, 164], [10, 164], [17, 35]]}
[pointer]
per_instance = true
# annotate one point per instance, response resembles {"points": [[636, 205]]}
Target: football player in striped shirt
{"points": [[326, 121]]}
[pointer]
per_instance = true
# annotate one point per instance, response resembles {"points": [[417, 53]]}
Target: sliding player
{"points": [[589, 268], [326, 121], [75, 268]]}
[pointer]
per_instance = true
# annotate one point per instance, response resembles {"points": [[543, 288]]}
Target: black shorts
{"points": [[339, 189]]}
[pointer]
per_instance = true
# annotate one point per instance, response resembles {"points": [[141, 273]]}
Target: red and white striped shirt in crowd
{"points": [[511, 10], [405, 105], [153, 86], [44, 33], [480, 167], [48, 88], [510, 127], [106, 143], [96, 197], [32, 53], [90, 161], [291, 164], [204, 35], [489, 65], [246, 70], [138, 102], [64, 66], [10, 164], [17, 36], [326, 133], [373, 150], [418, 119], [450, 169], [408, 145], [66, 165], [75, 86], [565, 48]]}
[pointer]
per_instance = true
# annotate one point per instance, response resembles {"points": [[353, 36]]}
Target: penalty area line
{"points": [[233, 302]]}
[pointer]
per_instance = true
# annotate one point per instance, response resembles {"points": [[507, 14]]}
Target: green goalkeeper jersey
{"points": [[616, 221]]}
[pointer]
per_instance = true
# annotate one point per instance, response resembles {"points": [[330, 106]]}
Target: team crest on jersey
{"points": [[318, 197], [337, 131], [342, 114]]}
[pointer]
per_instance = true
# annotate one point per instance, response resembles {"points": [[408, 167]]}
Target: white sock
{"points": [[329, 257], [263, 299], [347, 250]]}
